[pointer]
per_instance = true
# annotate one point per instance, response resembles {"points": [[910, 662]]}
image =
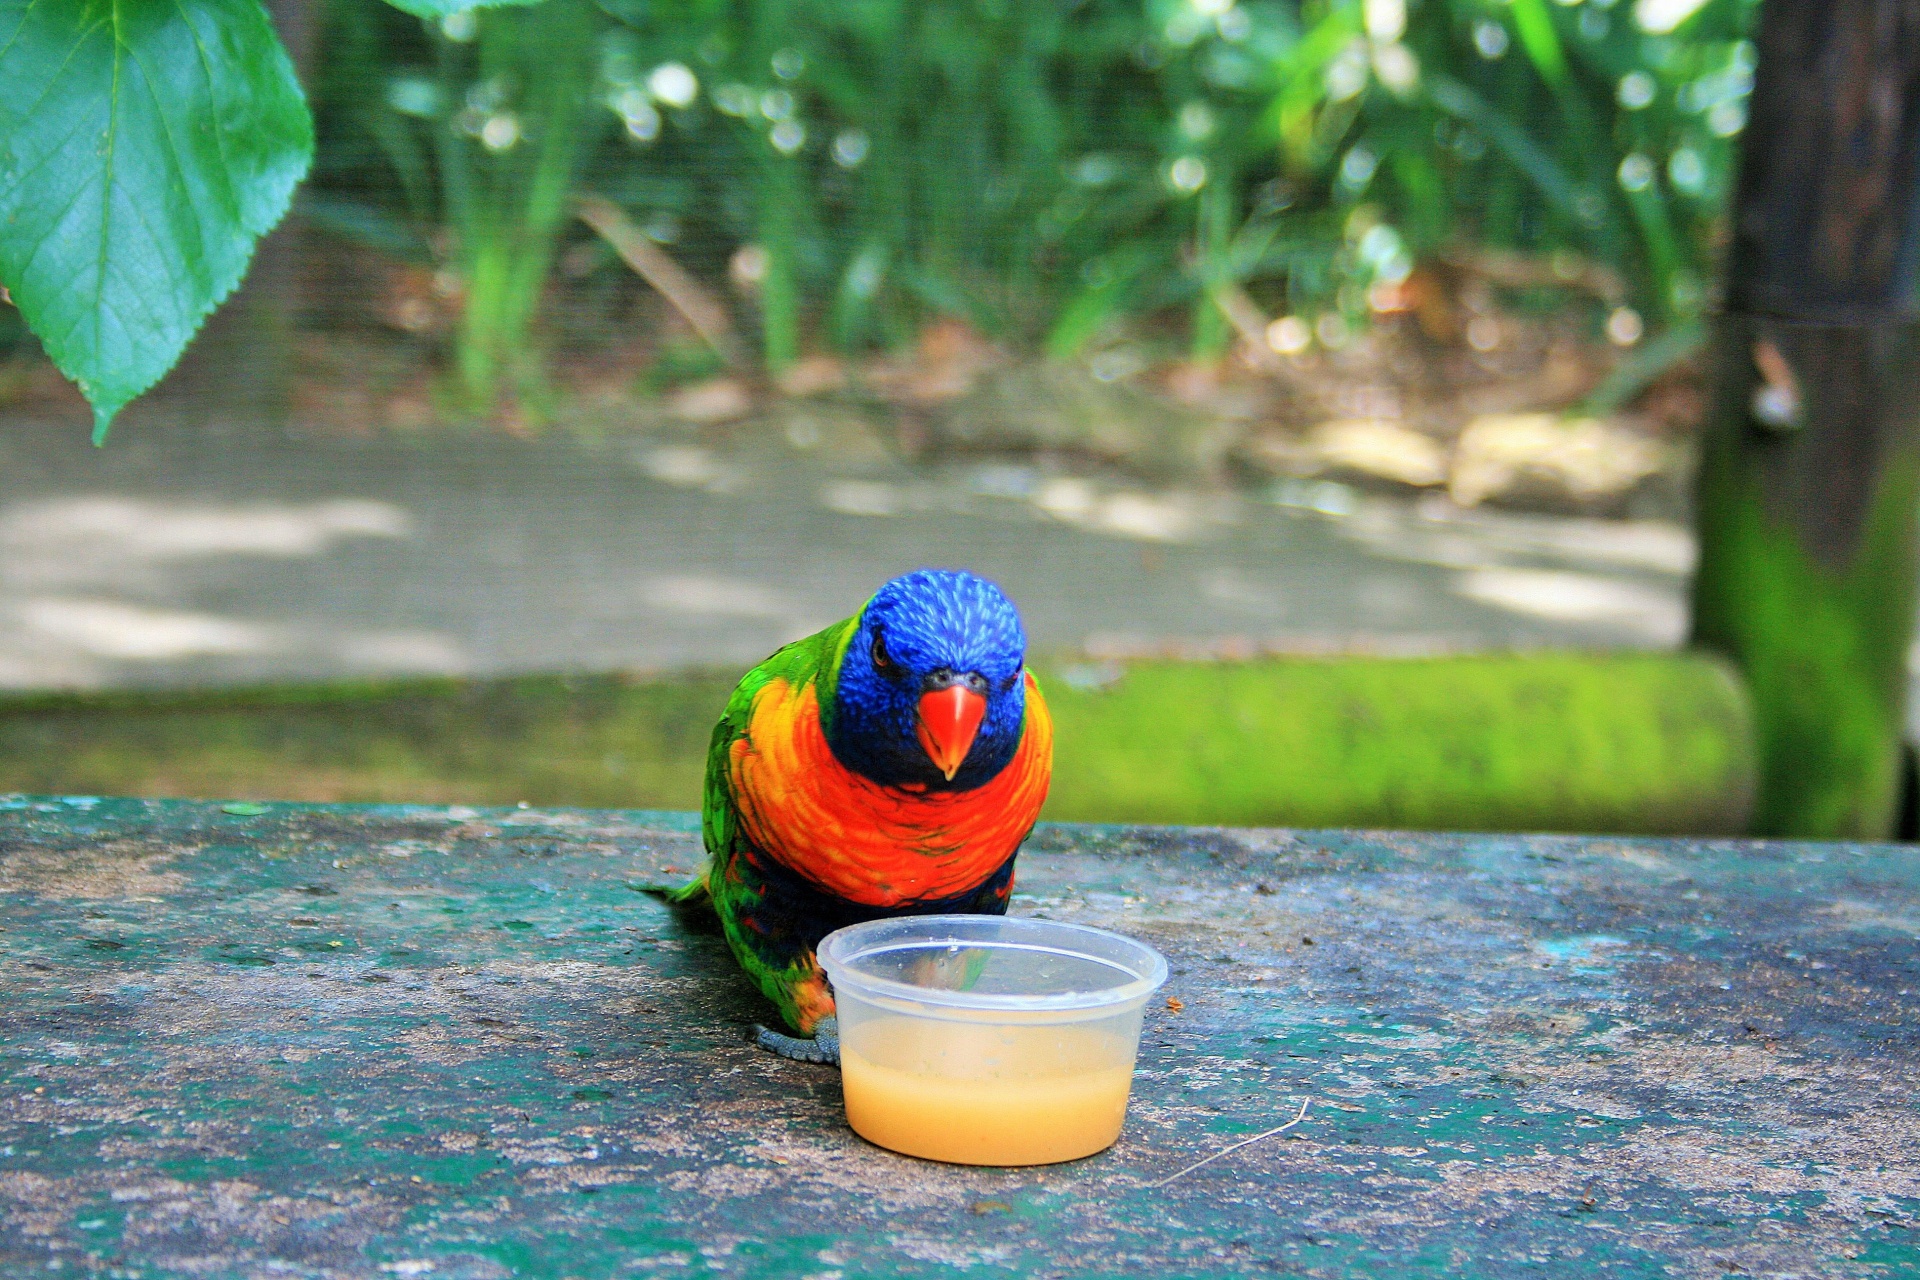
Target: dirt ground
{"points": [[300, 502]]}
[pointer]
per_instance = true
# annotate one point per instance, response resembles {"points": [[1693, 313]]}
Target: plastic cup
{"points": [[984, 1040]]}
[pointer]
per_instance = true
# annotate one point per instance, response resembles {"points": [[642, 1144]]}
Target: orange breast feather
{"points": [[882, 846]]}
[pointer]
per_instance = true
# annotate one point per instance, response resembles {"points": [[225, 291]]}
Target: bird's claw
{"points": [[823, 1048]]}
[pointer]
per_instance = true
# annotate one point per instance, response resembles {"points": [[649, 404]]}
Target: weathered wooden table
{"points": [[418, 1041]]}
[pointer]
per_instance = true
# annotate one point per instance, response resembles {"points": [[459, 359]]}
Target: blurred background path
{"points": [[197, 550]]}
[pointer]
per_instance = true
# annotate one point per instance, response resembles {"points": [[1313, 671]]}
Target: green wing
{"points": [[791, 981], [814, 660]]}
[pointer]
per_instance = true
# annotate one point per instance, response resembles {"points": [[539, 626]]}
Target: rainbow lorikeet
{"points": [[891, 764]]}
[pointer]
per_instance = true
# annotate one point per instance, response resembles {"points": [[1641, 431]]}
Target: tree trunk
{"points": [[1810, 471]]}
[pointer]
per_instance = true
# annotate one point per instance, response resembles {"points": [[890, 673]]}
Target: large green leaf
{"points": [[145, 145]]}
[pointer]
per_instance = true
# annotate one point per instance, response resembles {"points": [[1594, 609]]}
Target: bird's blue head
{"points": [[930, 690]]}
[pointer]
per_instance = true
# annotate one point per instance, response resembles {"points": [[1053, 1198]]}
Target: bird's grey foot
{"points": [[824, 1048]]}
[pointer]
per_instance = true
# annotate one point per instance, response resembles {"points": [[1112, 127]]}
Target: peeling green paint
{"points": [[1525, 1056]]}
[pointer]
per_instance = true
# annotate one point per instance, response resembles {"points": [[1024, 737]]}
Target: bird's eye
{"points": [[882, 661]]}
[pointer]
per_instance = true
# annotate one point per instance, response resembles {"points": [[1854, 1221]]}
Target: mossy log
{"points": [[1628, 743], [1546, 742]]}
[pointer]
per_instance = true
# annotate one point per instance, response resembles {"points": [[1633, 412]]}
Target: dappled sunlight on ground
{"points": [[95, 586], [180, 554]]}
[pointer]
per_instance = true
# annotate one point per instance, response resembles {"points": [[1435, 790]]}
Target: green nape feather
{"points": [[692, 894]]}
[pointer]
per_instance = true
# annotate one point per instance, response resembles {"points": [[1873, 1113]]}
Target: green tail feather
{"points": [[692, 904], [692, 894]]}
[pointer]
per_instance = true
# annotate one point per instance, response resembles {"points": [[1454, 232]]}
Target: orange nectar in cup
{"points": [[984, 1040]]}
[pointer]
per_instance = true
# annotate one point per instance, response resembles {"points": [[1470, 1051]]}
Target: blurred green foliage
{"points": [[1053, 171]]}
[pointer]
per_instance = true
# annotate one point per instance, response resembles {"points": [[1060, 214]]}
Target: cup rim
{"points": [[840, 949]]}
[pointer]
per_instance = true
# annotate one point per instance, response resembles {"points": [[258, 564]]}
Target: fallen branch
{"points": [[1258, 1137], [1532, 271], [1250, 322], [669, 279], [1634, 374]]}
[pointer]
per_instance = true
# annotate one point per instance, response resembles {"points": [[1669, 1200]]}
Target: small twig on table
{"points": [[1258, 1137]]}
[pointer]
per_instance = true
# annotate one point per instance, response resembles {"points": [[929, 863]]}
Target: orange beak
{"points": [[949, 720]]}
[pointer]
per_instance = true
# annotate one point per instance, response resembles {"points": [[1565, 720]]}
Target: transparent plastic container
{"points": [[984, 1040]]}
